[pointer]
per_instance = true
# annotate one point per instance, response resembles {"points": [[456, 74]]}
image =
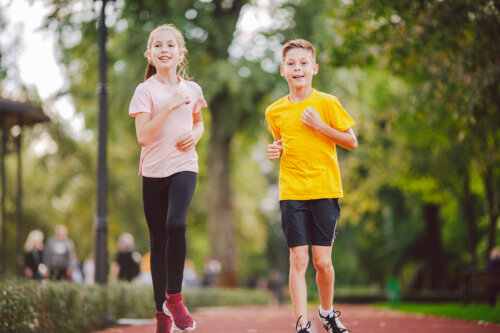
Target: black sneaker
{"points": [[305, 329], [331, 323]]}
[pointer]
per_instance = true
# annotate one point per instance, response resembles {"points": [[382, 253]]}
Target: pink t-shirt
{"points": [[161, 158]]}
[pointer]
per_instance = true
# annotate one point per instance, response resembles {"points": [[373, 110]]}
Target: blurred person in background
{"points": [[127, 261], [33, 256], [493, 266], [59, 254], [190, 278]]}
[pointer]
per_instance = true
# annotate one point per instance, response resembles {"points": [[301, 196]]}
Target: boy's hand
{"points": [[274, 150], [311, 118]]}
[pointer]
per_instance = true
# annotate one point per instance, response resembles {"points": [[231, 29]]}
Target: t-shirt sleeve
{"points": [[141, 101], [200, 102], [273, 128], [338, 117]]}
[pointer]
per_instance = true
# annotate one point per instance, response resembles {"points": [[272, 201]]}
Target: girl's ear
{"points": [[148, 55]]}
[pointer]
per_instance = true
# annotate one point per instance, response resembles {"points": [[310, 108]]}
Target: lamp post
{"points": [[101, 222]]}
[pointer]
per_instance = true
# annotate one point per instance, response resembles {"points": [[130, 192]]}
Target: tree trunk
{"points": [[221, 211], [493, 208], [434, 248], [467, 202]]}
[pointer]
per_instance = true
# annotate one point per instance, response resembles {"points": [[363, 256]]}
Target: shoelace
{"points": [[303, 329], [332, 323]]}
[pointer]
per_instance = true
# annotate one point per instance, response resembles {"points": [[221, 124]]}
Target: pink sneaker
{"points": [[175, 309], [163, 323]]}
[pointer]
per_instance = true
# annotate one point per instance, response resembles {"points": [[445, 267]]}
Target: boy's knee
{"points": [[299, 261], [323, 266]]}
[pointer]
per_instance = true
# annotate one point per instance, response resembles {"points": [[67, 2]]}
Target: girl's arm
{"points": [[346, 139], [190, 140], [147, 127]]}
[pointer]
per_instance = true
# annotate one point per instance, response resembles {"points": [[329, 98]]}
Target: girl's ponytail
{"points": [[150, 71]]}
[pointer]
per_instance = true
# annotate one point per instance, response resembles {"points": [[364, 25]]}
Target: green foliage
{"points": [[473, 312], [419, 77], [31, 306]]}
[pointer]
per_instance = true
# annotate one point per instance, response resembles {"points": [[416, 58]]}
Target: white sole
{"points": [[187, 329]]}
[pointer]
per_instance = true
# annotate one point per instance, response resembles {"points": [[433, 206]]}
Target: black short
{"points": [[310, 221]]}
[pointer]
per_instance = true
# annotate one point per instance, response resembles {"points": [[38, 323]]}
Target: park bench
{"points": [[487, 283]]}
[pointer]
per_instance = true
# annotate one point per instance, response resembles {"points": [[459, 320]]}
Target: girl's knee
{"points": [[175, 228], [158, 244]]}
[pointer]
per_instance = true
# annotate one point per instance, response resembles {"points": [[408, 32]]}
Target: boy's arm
{"points": [[346, 139]]}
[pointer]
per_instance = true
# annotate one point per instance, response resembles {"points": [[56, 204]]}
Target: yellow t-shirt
{"points": [[309, 168]]}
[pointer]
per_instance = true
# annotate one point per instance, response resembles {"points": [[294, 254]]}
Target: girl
{"points": [[167, 111]]}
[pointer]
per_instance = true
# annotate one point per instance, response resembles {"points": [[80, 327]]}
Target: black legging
{"points": [[166, 202]]}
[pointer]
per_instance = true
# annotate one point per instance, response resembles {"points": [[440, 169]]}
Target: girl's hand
{"points": [[311, 118], [274, 150], [186, 142], [178, 99]]}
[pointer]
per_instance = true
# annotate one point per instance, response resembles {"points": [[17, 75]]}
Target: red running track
{"points": [[357, 318]]}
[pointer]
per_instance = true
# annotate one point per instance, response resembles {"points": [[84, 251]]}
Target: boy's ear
{"points": [[282, 71], [315, 69]]}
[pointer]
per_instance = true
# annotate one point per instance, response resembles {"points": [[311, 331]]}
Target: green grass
{"points": [[473, 312]]}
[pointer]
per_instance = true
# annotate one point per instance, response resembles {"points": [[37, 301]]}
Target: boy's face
{"points": [[299, 68]]}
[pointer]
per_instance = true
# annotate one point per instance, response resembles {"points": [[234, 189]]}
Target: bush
{"points": [[49, 306]]}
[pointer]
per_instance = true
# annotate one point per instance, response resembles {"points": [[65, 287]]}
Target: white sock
{"points": [[325, 313]]}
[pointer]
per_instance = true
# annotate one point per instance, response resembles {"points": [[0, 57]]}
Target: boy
{"points": [[306, 126]]}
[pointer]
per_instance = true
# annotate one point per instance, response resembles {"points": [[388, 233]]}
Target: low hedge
{"points": [[48, 306]]}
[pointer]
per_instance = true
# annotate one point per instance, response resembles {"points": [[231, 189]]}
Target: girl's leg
{"points": [[299, 259], [155, 199], [180, 193]]}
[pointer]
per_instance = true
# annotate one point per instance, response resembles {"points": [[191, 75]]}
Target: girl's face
{"points": [[164, 52], [298, 68]]}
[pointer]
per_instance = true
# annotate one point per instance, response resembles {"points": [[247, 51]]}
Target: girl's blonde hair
{"points": [[182, 68], [35, 236]]}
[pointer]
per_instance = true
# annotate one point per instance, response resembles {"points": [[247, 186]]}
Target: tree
{"points": [[448, 51]]}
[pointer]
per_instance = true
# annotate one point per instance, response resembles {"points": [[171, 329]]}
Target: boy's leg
{"points": [[299, 259], [325, 274]]}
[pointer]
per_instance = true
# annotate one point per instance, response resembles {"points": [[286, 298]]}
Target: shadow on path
{"points": [[357, 318]]}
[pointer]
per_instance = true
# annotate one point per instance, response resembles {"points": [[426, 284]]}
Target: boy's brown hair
{"points": [[298, 44]]}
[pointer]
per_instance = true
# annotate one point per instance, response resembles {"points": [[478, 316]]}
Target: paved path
{"points": [[358, 318]]}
